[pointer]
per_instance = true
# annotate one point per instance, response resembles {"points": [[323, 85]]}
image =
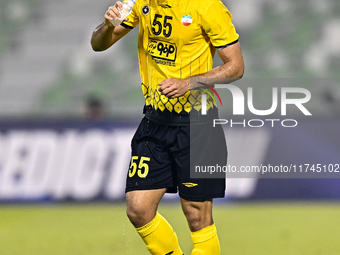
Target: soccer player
{"points": [[177, 42]]}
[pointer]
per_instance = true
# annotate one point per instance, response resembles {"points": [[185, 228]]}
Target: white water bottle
{"points": [[124, 12]]}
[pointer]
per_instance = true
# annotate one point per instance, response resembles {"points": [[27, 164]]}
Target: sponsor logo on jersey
{"points": [[145, 9], [186, 20], [162, 50], [190, 184]]}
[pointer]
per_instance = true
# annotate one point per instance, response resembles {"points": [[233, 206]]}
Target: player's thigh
{"points": [[144, 200]]}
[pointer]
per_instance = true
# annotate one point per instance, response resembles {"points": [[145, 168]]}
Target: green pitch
{"points": [[266, 229]]}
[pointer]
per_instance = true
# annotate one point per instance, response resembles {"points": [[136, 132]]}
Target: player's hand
{"points": [[112, 13], [173, 88]]}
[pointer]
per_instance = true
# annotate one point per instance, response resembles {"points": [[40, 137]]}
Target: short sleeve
{"points": [[133, 19], [217, 23]]}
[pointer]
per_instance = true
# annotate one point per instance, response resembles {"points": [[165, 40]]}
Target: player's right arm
{"points": [[106, 34]]}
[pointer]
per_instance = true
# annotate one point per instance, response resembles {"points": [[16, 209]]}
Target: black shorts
{"points": [[161, 159]]}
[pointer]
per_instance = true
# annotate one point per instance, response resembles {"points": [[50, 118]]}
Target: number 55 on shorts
{"points": [[142, 168]]}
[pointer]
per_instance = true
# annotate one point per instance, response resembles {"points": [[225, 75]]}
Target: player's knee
{"points": [[199, 215], [133, 214], [195, 223], [138, 215]]}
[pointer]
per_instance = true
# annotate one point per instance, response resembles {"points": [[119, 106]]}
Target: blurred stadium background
{"points": [[67, 115]]}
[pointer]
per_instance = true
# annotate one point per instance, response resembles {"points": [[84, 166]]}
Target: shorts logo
{"points": [[145, 9], [186, 20], [190, 184]]}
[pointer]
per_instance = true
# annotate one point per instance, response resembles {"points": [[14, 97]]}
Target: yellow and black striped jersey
{"points": [[178, 39]]}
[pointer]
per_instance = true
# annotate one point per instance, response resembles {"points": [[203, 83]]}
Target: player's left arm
{"points": [[233, 69]]}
